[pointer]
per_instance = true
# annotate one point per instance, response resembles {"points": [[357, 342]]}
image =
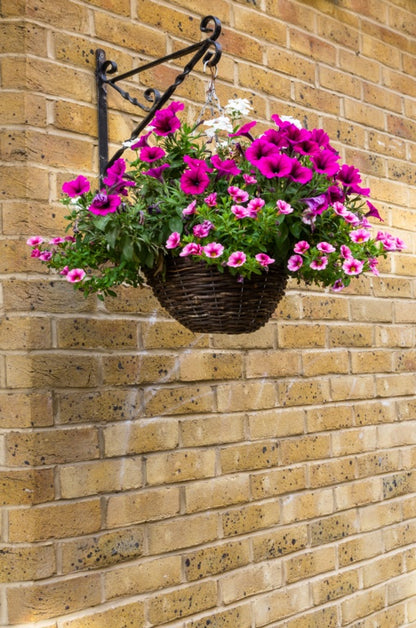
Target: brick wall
{"points": [[153, 477]]}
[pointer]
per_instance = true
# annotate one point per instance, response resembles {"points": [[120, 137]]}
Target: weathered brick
{"points": [[26, 486], [334, 527], [358, 493], [180, 466], [276, 423], [358, 549], [361, 604], [306, 505], [221, 428], [138, 437], [235, 616], [191, 599], [303, 448], [20, 563], [249, 518], [210, 366], [80, 333], [210, 561], [49, 369], [103, 476], [25, 409], [98, 406], [250, 395], [354, 441], [138, 507], [280, 603], [217, 492], [271, 364], [167, 536], [24, 333], [274, 482], [382, 570], [102, 550], [331, 472], [309, 564], [294, 335], [121, 615], [303, 392], [144, 368], [243, 457], [180, 400], [335, 586]]}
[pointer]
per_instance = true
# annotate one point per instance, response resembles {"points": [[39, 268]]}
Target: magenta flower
{"points": [[192, 162], [306, 146], [202, 230], [191, 249], [142, 142], [244, 130], [338, 286], [275, 166], [254, 206], [351, 218], [258, 150], [339, 208], [151, 153], [64, 271], [345, 251], [283, 207], [373, 211], [226, 168], [299, 173], [75, 275], [238, 195], [35, 252], [236, 259], [373, 263], [360, 235], [316, 204], [249, 179], [211, 199], [239, 211], [326, 162], [34, 240], [213, 249], [173, 240], [78, 186], [194, 181], [165, 121], [189, 209], [55, 241], [264, 260], [115, 172], [352, 266], [278, 139], [301, 247], [320, 263], [45, 256], [294, 262], [104, 204], [70, 239], [156, 173], [349, 177], [325, 247], [320, 137]]}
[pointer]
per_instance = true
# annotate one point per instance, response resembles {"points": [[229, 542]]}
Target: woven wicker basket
{"points": [[207, 301]]}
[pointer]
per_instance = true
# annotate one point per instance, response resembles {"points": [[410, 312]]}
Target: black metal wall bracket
{"points": [[210, 58]]}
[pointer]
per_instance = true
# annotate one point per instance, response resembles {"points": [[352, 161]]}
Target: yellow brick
{"points": [[375, 413], [41, 296], [378, 515], [28, 409], [354, 441], [301, 336], [238, 616], [80, 333], [26, 486], [50, 370], [334, 527], [43, 601], [251, 581], [180, 533], [138, 437], [361, 604], [303, 392], [180, 400], [217, 492], [309, 564], [182, 602], [382, 570], [329, 418], [170, 335], [301, 448], [271, 364], [277, 482], [211, 561], [21, 563], [357, 493], [51, 446], [122, 615], [139, 369], [102, 406], [140, 37], [302, 506], [14, 107], [357, 549], [103, 476], [352, 387], [28, 183], [24, 333], [265, 81], [280, 604], [325, 617], [293, 65], [256, 455], [351, 336], [180, 466], [395, 385], [335, 586], [325, 362], [60, 520], [331, 472], [216, 365], [276, 423], [102, 550], [212, 430], [400, 535], [250, 395], [137, 507], [314, 47], [250, 518], [261, 26], [145, 576]]}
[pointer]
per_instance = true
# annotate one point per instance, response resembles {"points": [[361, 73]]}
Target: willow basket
{"points": [[207, 301]]}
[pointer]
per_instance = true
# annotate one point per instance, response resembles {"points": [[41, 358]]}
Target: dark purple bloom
{"points": [[78, 186], [165, 121], [326, 162], [258, 150], [335, 194], [226, 168], [275, 166], [276, 137], [151, 153], [295, 135], [192, 162], [157, 173], [306, 147], [316, 204], [350, 177], [299, 173], [104, 204], [194, 181], [320, 137]]}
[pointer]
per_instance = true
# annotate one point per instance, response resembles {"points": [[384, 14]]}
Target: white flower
{"points": [[222, 123], [238, 107], [291, 120]]}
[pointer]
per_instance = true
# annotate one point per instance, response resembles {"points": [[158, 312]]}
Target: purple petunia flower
{"points": [[213, 249], [142, 142], [299, 173], [76, 187], [165, 121], [151, 153], [258, 150], [226, 168], [104, 204], [173, 240], [316, 204], [294, 263], [194, 181], [275, 166], [349, 177], [326, 162], [264, 260], [244, 130], [352, 266], [157, 173]]}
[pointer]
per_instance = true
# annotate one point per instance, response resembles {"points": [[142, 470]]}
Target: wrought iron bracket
{"points": [[209, 50]]}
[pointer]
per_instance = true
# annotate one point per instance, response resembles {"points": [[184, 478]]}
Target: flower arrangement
{"points": [[223, 197]]}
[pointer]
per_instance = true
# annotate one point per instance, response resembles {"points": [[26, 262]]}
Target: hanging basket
{"points": [[207, 301]]}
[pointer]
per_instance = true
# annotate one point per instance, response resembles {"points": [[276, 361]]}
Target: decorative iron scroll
{"points": [[209, 50]]}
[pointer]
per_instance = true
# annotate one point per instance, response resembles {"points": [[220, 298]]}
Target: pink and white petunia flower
{"points": [[325, 247], [360, 235], [264, 260], [301, 247], [294, 262], [34, 241], [237, 258], [320, 263], [75, 275], [352, 266], [173, 240], [213, 249], [284, 208]]}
